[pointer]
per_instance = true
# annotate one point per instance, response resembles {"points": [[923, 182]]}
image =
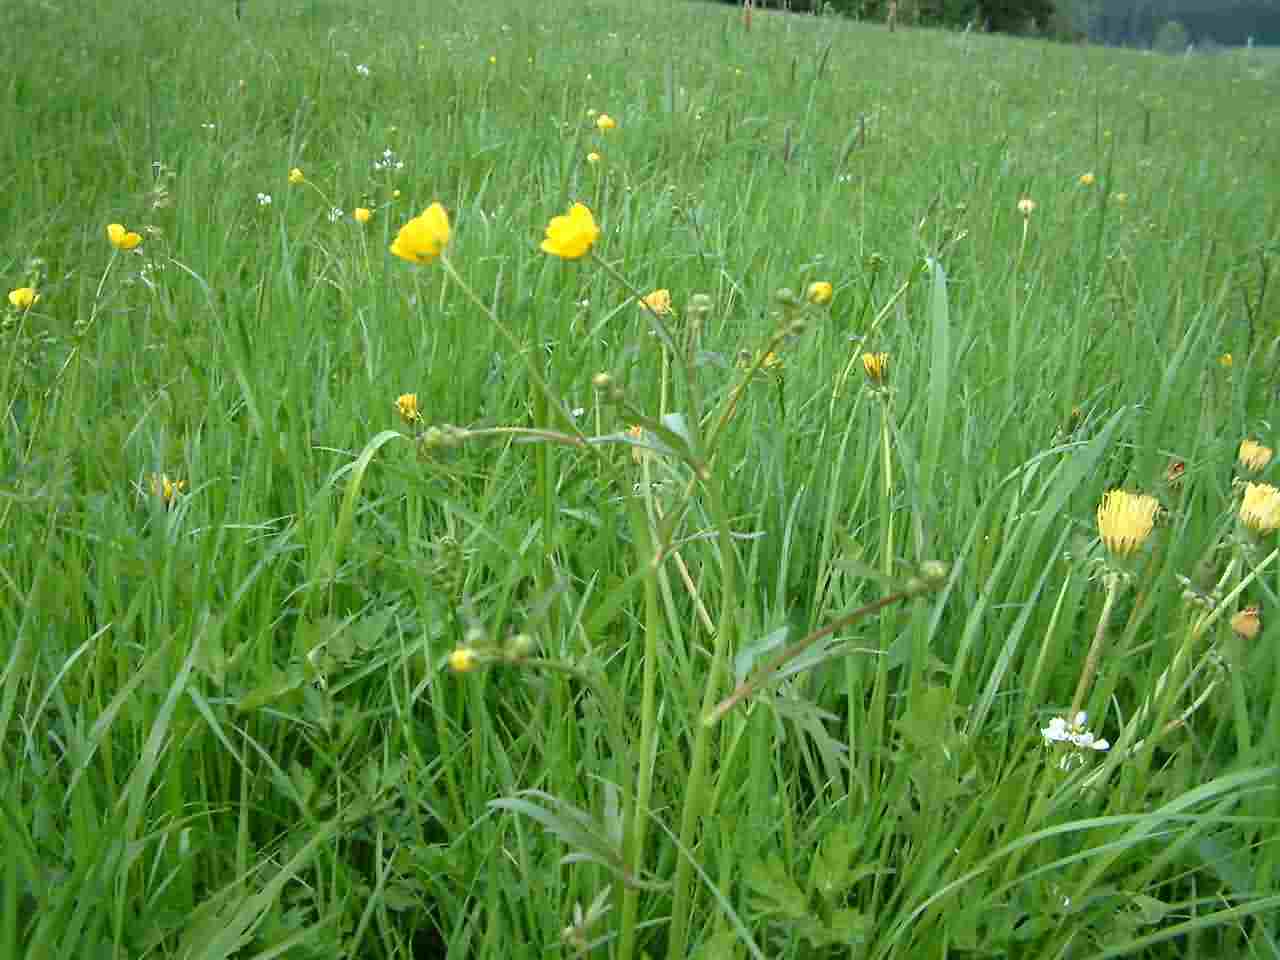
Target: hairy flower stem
{"points": [[637, 819], [1112, 582], [880, 690], [766, 673], [696, 794]]}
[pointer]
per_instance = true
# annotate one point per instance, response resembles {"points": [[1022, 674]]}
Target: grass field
{"points": [[355, 607]]}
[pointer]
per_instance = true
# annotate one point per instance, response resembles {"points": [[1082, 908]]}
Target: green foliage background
{"points": [[228, 726]]}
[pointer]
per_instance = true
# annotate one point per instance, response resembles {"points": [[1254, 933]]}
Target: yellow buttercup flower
{"points": [[296, 177], [362, 214], [876, 366], [1253, 456], [571, 236], [659, 302], [407, 407], [1087, 179], [166, 489], [463, 660], [24, 298], [819, 292], [1125, 520], [593, 157], [424, 237], [121, 238], [1260, 509], [1225, 361], [604, 123]]}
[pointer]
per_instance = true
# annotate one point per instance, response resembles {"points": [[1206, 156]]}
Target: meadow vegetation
{"points": [[847, 534]]}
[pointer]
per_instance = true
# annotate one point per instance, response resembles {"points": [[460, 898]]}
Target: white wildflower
{"points": [[335, 214], [1076, 735], [362, 69], [264, 199]]}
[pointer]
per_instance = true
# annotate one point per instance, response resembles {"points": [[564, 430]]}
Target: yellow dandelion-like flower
{"points": [[1253, 456], [407, 406], [604, 123], [296, 176], [24, 298], [463, 660], [1125, 520], [593, 158], [659, 302], [1087, 179], [121, 238], [395, 194], [819, 292], [1260, 509], [362, 214], [1026, 206], [167, 489], [876, 366], [1225, 361], [1247, 623], [424, 237], [571, 236]]}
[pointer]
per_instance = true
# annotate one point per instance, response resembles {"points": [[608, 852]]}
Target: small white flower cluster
{"points": [[362, 69], [335, 214], [1075, 734], [389, 161], [264, 199]]}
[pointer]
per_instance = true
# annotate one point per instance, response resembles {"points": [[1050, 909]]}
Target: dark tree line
{"points": [[1004, 16], [1137, 22], [1118, 22]]}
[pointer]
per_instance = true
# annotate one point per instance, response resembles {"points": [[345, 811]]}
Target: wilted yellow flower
{"points": [[771, 362], [1087, 179], [407, 407], [1225, 361], [1174, 473], [1125, 520], [659, 302], [819, 292], [877, 367], [24, 298], [296, 177], [166, 489], [605, 122], [1026, 206], [571, 236], [593, 157], [121, 238], [462, 660], [362, 214], [1247, 623], [637, 433], [1260, 509], [424, 237], [1253, 456]]}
